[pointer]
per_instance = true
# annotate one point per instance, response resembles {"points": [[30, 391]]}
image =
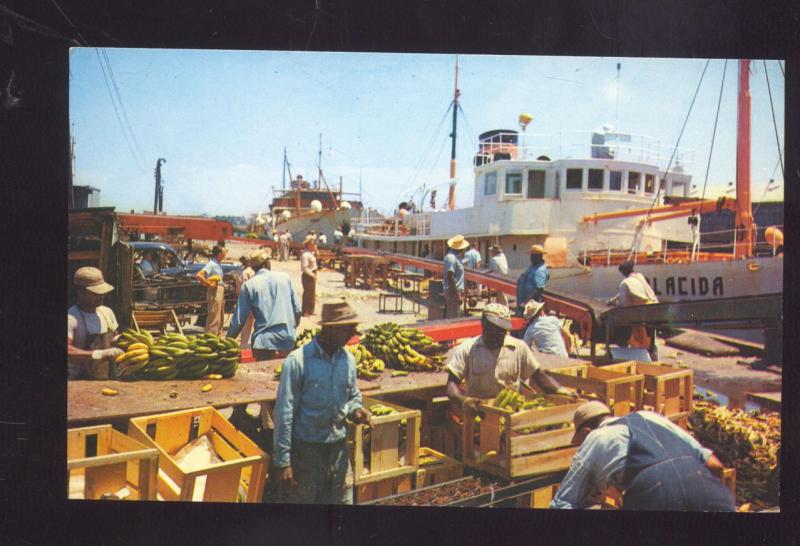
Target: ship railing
{"points": [[725, 245], [578, 145], [395, 226]]}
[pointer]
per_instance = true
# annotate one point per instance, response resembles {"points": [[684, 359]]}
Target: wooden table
{"points": [[254, 382]]}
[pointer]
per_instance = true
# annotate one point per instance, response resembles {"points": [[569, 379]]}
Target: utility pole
{"points": [[451, 201], [283, 179], [158, 199], [616, 112]]}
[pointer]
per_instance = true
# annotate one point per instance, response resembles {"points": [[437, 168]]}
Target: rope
{"points": [[774, 123], [713, 134], [675, 150]]}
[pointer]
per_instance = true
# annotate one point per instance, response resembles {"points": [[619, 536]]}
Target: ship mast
{"points": [[744, 215], [451, 203]]}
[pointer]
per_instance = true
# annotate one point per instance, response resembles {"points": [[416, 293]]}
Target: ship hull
{"points": [[324, 222]]}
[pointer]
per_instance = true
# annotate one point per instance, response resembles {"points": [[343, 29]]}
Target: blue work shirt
{"points": [[534, 278], [600, 461], [544, 335], [273, 301], [472, 258], [315, 395], [213, 268], [453, 263]]}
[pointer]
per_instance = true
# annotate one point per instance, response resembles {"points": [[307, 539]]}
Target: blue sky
{"points": [[222, 118]]}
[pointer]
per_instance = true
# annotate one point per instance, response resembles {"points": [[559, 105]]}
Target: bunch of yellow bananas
{"points": [[367, 366], [748, 442], [305, 336], [404, 348]]}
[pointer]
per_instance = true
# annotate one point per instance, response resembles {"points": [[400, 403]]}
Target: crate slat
{"points": [[666, 390], [443, 470]]}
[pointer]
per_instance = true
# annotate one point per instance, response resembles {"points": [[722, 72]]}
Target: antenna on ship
{"points": [[283, 179], [452, 197], [616, 112]]}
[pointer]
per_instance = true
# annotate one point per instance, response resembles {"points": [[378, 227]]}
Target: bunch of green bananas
{"points": [[367, 366], [175, 356], [404, 348], [516, 402], [305, 336], [748, 442], [137, 353]]}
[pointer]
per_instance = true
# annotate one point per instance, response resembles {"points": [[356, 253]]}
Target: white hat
{"points": [[531, 308]]}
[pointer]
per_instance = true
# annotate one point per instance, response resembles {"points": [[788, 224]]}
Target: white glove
{"points": [[102, 354]]}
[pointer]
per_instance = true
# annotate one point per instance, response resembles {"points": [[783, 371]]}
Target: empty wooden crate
{"points": [[525, 443], [386, 448], [436, 468], [244, 464], [667, 390], [621, 392], [102, 460]]}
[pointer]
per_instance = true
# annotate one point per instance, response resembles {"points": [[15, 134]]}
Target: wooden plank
{"points": [[545, 416], [108, 478], [172, 432], [107, 460], [543, 463], [541, 441], [223, 448], [84, 256], [222, 485], [384, 441]]}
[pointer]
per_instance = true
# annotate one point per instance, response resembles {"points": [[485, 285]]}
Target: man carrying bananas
{"points": [[211, 277], [453, 276], [91, 328], [643, 455], [492, 361], [317, 392]]}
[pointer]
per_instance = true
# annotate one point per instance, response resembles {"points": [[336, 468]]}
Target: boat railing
{"points": [[765, 243], [417, 224], [583, 145]]}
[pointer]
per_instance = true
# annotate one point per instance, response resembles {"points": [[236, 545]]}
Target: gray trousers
{"points": [[452, 307], [321, 472]]}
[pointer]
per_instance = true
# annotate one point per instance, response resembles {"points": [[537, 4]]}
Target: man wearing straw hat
{"points": [[651, 461], [317, 392], [453, 276], [308, 264], [544, 332], [531, 283]]}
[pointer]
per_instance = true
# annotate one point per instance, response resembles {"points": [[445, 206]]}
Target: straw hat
{"points": [[531, 308], [258, 257], [587, 412], [308, 239], [537, 249], [92, 280], [338, 313], [458, 243], [498, 314]]}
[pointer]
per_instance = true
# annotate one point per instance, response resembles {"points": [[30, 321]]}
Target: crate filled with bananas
{"points": [[516, 435], [749, 442], [175, 356], [404, 348], [386, 447]]}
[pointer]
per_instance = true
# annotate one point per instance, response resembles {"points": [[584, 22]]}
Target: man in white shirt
{"points": [[308, 264], [545, 333], [635, 290], [91, 328], [284, 239], [499, 264], [322, 239]]}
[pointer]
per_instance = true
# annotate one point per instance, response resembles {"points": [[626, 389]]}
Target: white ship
{"points": [[593, 205]]}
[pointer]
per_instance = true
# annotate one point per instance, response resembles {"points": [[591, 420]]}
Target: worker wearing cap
{"points": [[453, 276], [545, 332], [493, 361], [635, 290], [498, 263], [211, 277], [91, 328], [318, 390], [643, 455], [308, 265], [531, 283]]}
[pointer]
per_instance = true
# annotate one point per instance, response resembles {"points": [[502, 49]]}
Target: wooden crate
{"points": [[386, 487], [667, 390], [441, 469], [244, 463], [538, 498], [107, 460], [385, 457], [622, 392], [521, 453]]}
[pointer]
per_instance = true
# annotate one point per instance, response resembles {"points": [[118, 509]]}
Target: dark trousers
{"points": [[309, 294]]}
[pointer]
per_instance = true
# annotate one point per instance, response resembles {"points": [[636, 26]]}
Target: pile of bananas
{"points": [[404, 348], [175, 356], [748, 442], [367, 366], [513, 401], [305, 336]]}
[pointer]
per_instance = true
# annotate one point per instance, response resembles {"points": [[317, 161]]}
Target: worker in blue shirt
{"points": [[531, 283], [653, 463], [317, 392], [453, 276], [211, 277]]}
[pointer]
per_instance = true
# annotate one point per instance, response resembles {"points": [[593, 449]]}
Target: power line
{"points": [[122, 105], [116, 110], [774, 123], [714, 133]]}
